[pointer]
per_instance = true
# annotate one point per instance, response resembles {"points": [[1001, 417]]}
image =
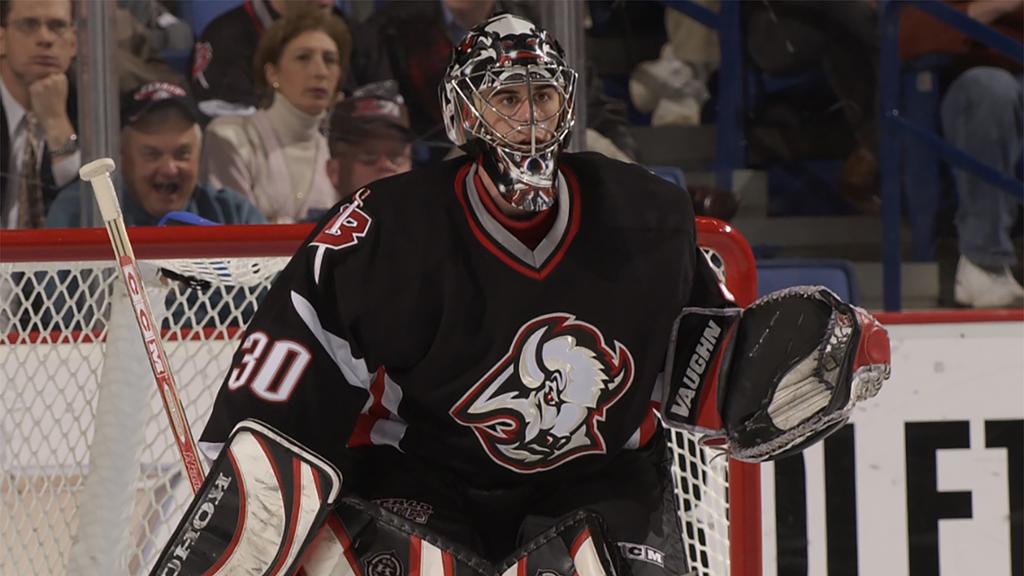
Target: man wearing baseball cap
{"points": [[369, 139], [160, 150]]}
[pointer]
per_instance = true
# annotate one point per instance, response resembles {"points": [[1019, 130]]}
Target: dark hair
{"points": [[5, 10], [289, 27]]}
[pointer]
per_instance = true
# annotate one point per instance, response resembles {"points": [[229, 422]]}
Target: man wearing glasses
{"points": [[39, 147], [369, 138]]}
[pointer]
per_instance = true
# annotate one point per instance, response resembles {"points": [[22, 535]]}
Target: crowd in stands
{"points": [[277, 154], [982, 113], [288, 106]]}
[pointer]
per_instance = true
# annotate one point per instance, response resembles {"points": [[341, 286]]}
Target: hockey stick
{"points": [[97, 173]]}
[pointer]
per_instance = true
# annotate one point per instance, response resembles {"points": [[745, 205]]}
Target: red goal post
{"points": [[84, 452]]}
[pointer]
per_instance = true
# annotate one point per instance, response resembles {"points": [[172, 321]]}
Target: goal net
{"points": [[90, 480]]}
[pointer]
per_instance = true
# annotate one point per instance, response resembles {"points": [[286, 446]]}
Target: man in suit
{"points": [[39, 147]]}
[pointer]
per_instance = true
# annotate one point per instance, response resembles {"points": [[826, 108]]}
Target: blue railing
{"points": [[895, 130], [729, 138]]}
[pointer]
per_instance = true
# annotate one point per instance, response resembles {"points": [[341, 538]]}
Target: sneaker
{"points": [[979, 288]]}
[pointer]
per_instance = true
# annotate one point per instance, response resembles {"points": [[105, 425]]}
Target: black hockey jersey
{"points": [[415, 320]]}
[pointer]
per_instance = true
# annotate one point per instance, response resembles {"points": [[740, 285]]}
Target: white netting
{"points": [[91, 482], [58, 342]]}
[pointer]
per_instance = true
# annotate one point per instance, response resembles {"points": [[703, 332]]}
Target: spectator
{"points": [[370, 139], [786, 37], [673, 88], [411, 41], [276, 156], [222, 75], [162, 29], [981, 114], [39, 147], [160, 144], [144, 30]]}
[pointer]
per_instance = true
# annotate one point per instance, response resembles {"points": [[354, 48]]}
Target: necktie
{"points": [[30, 201]]}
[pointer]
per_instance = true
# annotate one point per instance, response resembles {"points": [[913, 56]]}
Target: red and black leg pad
{"points": [[361, 538], [258, 508], [576, 545], [777, 376]]}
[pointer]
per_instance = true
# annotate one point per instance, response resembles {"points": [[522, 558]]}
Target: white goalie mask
{"points": [[507, 98]]}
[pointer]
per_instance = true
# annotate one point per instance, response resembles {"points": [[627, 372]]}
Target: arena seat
{"points": [[836, 275]]}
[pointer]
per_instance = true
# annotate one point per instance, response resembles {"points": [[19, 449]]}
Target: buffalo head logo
{"points": [[540, 405]]}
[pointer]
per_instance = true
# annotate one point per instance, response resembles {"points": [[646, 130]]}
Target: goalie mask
{"points": [[507, 99]]}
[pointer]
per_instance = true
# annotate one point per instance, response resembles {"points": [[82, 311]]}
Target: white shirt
{"points": [[63, 172]]}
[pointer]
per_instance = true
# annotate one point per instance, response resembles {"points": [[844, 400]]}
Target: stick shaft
{"points": [[129, 271]]}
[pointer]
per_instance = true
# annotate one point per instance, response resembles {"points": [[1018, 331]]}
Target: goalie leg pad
{"points": [[258, 508], [576, 545], [362, 539]]}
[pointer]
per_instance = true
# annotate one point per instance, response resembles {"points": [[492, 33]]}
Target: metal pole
{"points": [[98, 98], [564, 20], [729, 146], [890, 152]]}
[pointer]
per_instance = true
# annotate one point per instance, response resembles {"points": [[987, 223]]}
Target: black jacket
{"points": [[49, 185]]}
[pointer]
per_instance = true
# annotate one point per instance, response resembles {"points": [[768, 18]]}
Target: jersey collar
{"points": [[534, 263]]}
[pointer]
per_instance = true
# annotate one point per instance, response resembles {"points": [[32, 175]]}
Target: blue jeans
{"points": [[981, 114]]}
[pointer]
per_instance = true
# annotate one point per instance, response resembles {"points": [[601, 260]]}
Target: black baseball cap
{"points": [[153, 96], [362, 117]]}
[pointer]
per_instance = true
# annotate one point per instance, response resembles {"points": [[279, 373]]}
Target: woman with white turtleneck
{"points": [[277, 156]]}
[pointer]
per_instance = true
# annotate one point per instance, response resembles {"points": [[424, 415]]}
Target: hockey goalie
{"points": [[466, 369]]}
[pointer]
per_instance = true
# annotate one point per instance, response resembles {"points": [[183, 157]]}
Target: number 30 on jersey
{"points": [[270, 369]]}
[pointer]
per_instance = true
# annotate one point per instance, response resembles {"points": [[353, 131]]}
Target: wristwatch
{"points": [[69, 147]]}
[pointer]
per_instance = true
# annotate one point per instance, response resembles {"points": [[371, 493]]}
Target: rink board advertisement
{"points": [[928, 479]]}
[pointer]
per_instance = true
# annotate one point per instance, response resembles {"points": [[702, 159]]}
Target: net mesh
{"points": [[85, 451]]}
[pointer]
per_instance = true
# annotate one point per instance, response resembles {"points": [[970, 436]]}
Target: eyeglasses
{"points": [[369, 158], [31, 26]]}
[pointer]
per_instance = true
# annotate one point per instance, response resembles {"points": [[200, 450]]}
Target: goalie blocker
{"points": [[775, 377]]}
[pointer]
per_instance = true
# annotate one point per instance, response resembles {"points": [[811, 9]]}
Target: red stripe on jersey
{"points": [[573, 226], [364, 422], [239, 525], [521, 567], [648, 426], [346, 543], [415, 549], [448, 562]]}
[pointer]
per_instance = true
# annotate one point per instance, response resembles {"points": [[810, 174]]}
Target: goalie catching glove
{"points": [[775, 377]]}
